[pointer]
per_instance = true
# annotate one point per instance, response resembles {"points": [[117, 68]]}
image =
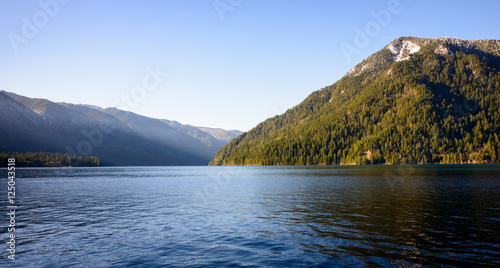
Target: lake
{"points": [[410, 216]]}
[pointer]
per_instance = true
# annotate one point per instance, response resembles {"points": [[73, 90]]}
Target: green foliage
{"points": [[43, 159], [428, 109]]}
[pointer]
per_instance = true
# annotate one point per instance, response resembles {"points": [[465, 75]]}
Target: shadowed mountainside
{"points": [[117, 137]]}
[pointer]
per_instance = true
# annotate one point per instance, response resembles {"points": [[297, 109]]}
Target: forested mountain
{"points": [[116, 137], [415, 101]]}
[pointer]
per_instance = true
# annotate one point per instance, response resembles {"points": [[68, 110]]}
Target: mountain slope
{"points": [[415, 101], [213, 138], [19, 122], [116, 137], [158, 131], [222, 134], [208, 140]]}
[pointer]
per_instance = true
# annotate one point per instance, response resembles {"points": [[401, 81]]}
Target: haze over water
{"points": [[447, 215]]}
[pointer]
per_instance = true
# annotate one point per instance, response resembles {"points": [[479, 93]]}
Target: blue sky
{"points": [[230, 63]]}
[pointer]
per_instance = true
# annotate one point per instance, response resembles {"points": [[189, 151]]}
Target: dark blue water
{"points": [[441, 216]]}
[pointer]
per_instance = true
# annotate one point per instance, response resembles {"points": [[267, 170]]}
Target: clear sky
{"points": [[230, 63]]}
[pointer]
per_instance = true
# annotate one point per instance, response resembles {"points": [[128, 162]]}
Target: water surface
{"points": [[445, 216]]}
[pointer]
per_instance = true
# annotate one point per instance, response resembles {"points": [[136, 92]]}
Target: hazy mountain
{"points": [[214, 138], [158, 131], [415, 101], [116, 137], [222, 134]]}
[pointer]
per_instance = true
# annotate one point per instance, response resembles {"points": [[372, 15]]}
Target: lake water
{"points": [[446, 216]]}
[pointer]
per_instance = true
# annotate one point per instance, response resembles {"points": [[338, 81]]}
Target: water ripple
{"points": [[257, 216]]}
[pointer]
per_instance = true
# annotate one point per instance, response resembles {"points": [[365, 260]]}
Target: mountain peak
{"points": [[403, 50]]}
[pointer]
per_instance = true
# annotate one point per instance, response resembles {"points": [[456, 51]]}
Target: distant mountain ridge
{"points": [[415, 101], [211, 137], [117, 137]]}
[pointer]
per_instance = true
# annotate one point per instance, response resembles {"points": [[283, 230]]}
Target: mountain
{"points": [[117, 137], [213, 138], [415, 101], [222, 134]]}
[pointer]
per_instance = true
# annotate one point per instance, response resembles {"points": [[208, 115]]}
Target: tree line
{"points": [[45, 159]]}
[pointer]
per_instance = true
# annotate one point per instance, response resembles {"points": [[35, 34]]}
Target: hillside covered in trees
{"points": [[416, 101]]}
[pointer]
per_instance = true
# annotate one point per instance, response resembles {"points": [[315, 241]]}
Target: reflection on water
{"points": [[259, 216]]}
